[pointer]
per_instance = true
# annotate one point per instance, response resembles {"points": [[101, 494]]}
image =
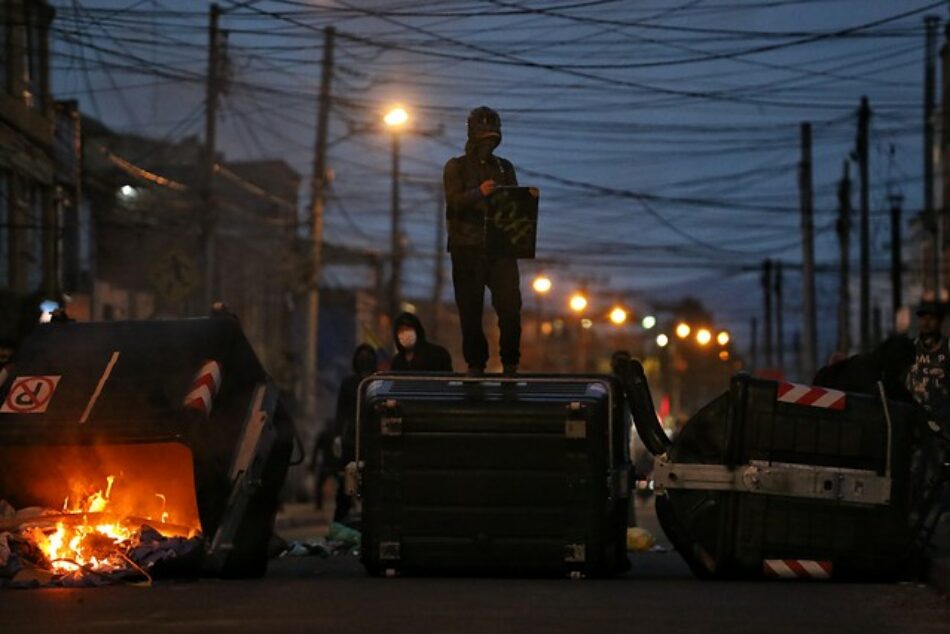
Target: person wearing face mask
{"points": [[415, 353], [469, 182], [929, 376], [344, 442]]}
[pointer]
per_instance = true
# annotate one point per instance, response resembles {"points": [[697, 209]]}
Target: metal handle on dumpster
{"points": [[635, 387], [890, 429]]}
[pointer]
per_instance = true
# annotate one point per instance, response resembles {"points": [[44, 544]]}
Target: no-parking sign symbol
{"points": [[30, 395]]}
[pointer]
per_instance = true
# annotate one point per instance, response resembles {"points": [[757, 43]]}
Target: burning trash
{"points": [[137, 450], [93, 542]]}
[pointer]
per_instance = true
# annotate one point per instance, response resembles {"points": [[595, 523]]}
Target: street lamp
{"points": [[648, 322], [683, 330], [662, 340], [722, 338], [703, 336], [395, 119], [618, 316], [578, 302], [541, 285]]}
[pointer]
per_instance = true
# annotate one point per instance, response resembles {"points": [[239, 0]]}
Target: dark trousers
{"points": [[472, 271]]}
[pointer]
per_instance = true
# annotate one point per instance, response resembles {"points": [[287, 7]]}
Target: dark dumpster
{"points": [[169, 426]]}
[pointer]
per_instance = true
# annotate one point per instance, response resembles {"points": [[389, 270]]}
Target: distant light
{"points": [[47, 306], [547, 328], [578, 302], [128, 192], [683, 330], [724, 355], [408, 307], [648, 322], [703, 336], [618, 316], [542, 284], [722, 338], [662, 340], [586, 324], [396, 117]]}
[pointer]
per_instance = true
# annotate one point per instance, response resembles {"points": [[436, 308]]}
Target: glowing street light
{"points": [[648, 322], [542, 284], [662, 340], [683, 330], [724, 355], [396, 117], [618, 316], [587, 324], [703, 337], [578, 302], [722, 338]]}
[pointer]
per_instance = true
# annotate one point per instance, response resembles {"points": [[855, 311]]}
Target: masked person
{"points": [[469, 182], [344, 444], [929, 376], [416, 354]]}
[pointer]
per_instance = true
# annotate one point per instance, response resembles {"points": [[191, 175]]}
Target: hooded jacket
{"points": [[345, 421], [465, 207], [426, 356]]}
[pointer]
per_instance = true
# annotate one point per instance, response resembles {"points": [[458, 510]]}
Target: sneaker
{"points": [[510, 370]]}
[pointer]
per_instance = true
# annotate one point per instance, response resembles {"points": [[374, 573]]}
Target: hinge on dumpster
{"points": [[576, 424], [575, 553], [855, 486]]}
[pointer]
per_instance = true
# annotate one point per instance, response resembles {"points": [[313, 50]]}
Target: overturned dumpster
{"points": [[492, 475], [774, 479], [132, 448]]}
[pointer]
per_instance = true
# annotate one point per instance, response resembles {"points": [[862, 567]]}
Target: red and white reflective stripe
{"points": [[810, 395], [204, 388], [797, 569]]}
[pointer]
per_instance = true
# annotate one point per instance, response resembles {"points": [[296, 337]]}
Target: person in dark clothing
{"points": [[416, 353], [888, 363], [364, 364], [929, 376], [469, 182]]}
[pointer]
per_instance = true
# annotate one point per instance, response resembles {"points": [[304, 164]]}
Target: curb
{"points": [[939, 575]]}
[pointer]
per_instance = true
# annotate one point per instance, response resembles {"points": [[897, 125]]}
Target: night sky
{"points": [[664, 135]]}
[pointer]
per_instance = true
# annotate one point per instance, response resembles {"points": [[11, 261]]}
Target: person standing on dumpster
{"points": [[415, 352], [929, 376], [469, 181]]}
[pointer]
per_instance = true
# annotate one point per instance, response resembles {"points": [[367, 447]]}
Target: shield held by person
{"points": [[512, 223]]}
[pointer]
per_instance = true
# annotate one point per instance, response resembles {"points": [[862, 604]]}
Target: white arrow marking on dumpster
{"points": [[102, 383]]}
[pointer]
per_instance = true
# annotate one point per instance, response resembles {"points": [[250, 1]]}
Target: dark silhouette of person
{"points": [[469, 181], [364, 364], [415, 352]]}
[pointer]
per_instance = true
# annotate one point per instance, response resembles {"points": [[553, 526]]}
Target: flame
{"points": [[78, 542]]}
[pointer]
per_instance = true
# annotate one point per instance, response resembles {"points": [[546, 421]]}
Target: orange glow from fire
{"points": [[112, 491]]}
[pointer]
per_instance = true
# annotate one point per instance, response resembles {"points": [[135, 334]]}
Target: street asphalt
{"points": [[310, 594]]}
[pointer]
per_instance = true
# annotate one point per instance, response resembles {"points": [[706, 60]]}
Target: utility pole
{"points": [[808, 255], [767, 297], [779, 317], [754, 343], [318, 187], [843, 228], [931, 22], [861, 151], [896, 201], [438, 280], [395, 270], [212, 86]]}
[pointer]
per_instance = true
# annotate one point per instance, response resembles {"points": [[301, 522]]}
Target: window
{"points": [[33, 56], [32, 244]]}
